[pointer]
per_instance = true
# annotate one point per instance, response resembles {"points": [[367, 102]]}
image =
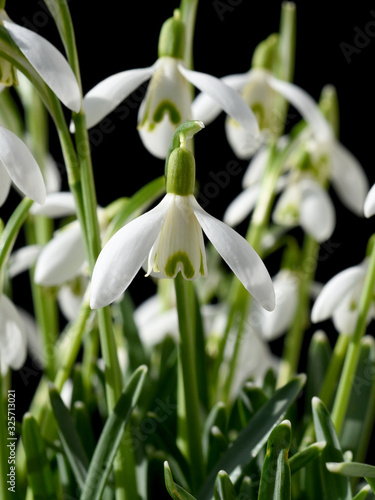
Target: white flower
{"points": [[18, 165], [257, 87], [339, 299], [13, 346], [167, 103], [170, 236], [47, 61], [304, 201]]}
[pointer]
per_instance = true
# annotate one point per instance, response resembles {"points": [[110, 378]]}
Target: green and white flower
{"points": [[258, 88], [169, 237], [169, 97], [46, 60], [339, 299]]}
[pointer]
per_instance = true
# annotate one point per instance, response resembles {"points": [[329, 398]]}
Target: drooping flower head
{"points": [[168, 100], [169, 238]]}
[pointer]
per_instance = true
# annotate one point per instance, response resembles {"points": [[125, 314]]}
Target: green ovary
{"points": [[167, 107], [179, 258]]}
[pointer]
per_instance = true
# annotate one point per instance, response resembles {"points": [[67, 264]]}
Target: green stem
{"points": [[188, 10], [351, 360], [11, 231], [294, 337], [330, 380], [4, 470], [185, 307]]}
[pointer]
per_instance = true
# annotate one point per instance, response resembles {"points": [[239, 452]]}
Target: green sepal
{"points": [[265, 53], [275, 482], [172, 37], [224, 488], [306, 456], [39, 473], [175, 491], [336, 487]]}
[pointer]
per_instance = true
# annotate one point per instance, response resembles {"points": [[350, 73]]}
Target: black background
{"points": [[116, 36]]}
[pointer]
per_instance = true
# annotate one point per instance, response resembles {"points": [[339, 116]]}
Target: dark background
{"points": [[116, 36]]}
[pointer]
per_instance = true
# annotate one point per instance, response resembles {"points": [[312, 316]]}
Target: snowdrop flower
{"points": [[339, 299], [170, 237], [13, 345], [257, 88], [304, 201], [46, 60], [168, 100], [18, 165]]}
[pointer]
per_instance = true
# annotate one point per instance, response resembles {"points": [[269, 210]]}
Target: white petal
{"points": [[369, 206], [124, 254], [34, 344], [255, 170], [5, 183], [157, 140], [12, 335], [230, 101], [241, 206], [240, 257], [305, 104], [275, 323], [21, 166], [317, 213], [52, 175], [349, 178], [157, 328], [287, 209], [49, 63], [23, 259], [334, 291], [56, 205], [107, 95], [62, 258], [206, 109], [69, 302], [243, 145]]}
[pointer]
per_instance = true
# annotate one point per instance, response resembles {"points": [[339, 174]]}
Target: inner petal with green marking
{"points": [[180, 245]]}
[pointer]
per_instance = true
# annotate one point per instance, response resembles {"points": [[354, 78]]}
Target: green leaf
{"points": [[248, 490], [353, 436], [39, 473], [217, 417], [175, 491], [318, 358], [218, 444], [275, 482], [82, 423], [224, 489], [111, 436], [362, 494], [305, 456], [334, 486], [70, 440], [254, 435], [352, 469]]}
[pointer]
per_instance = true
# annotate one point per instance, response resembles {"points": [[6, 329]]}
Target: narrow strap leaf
{"points": [[111, 436], [254, 435], [224, 489], [275, 482], [69, 437], [305, 456], [175, 491], [39, 473]]}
